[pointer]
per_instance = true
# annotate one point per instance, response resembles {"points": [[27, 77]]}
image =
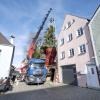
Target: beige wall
{"points": [[79, 60]]}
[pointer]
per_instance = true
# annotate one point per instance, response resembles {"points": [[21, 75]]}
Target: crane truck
{"points": [[36, 69]]}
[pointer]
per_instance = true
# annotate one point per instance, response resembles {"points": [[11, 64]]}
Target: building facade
{"points": [[6, 56], [74, 50], [94, 26]]}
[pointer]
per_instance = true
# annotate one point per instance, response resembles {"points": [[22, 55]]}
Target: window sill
{"points": [[62, 58], [69, 41], [71, 56], [79, 36], [81, 54]]}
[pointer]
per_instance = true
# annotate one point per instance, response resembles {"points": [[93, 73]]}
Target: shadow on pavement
{"points": [[56, 93]]}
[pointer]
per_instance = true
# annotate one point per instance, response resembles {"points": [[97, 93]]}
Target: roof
{"points": [[37, 61], [3, 40], [96, 11], [78, 16]]}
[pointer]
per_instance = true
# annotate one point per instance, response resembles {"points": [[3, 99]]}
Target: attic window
{"points": [[69, 24], [73, 20]]}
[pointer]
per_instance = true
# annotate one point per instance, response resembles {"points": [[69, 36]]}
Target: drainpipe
{"points": [[12, 42]]}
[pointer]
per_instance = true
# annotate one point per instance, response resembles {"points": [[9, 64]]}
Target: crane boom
{"points": [[32, 46]]}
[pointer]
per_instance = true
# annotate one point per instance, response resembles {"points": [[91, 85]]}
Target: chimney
{"points": [[12, 39]]}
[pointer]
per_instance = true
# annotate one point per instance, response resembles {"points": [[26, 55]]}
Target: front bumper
{"points": [[34, 80]]}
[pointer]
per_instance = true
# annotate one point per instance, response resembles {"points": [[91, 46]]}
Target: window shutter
{"points": [[81, 30], [77, 33], [60, 42], [71, 36], [66, 26], [61, 55], [67, 38], [79, 50], [69, 53]]}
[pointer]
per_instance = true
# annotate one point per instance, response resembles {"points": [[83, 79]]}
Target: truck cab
{"points": [[36, 71]]}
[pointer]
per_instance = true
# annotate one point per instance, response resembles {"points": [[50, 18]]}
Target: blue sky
{"points": [[22, 17]]}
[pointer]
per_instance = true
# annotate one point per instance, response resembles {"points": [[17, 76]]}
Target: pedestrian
{"points": [[13, 78], [17, 81]]}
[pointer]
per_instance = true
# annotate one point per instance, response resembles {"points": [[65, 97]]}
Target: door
{"points": [[69, 75], [92, 76]]}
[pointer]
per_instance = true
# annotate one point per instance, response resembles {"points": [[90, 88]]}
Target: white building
{"points": [[94, 27], [6, 56]]}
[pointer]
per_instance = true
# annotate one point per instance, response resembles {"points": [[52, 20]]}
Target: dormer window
{"points": [[69, 24], [64, 28], [73, 20]]}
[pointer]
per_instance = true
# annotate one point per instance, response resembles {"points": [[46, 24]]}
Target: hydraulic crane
{"points": [[33, 44], [50, 56]]}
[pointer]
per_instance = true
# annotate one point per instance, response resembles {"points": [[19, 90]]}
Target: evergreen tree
{"points": [[49, 38]]}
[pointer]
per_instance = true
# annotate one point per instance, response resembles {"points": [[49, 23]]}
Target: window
{"points": [[92, 70], [62, 55], [62, 41], [70, 37], [73, 20], [71, 52], [64, 28], [70, 23], [82, 49], [79, 32]]}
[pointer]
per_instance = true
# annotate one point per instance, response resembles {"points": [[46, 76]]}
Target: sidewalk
{"points": [[23, 87]]}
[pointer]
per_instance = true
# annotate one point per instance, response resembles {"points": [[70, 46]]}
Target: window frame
{"points": [[71, 52], [69, 37], [82, 49], [79, 32], [62, 55], [92, 71]]}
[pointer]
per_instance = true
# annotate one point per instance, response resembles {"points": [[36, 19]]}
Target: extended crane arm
{"points": [[32, 46]]}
